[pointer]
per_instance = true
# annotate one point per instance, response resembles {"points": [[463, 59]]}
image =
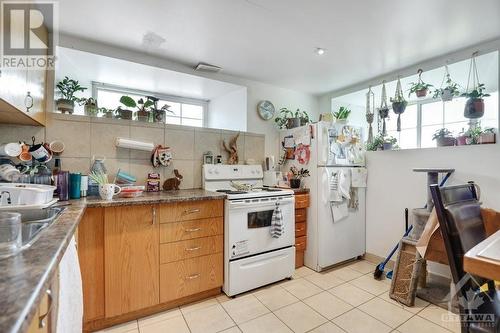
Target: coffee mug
{"points": [[40, 153], [107, 191], [12, 149]]}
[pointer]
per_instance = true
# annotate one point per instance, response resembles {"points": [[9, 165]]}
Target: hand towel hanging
{"points": [[277, 228]]}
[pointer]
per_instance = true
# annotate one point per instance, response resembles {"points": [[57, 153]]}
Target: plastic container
{"points": [[10, 234], [28, 194]]}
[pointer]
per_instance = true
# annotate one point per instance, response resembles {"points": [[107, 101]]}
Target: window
{"points": [[184, 111]]}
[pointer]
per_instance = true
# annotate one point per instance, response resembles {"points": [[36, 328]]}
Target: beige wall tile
{"points": [[102, 140], [113, 164], [240, 143], [181, 141], [74, 134], [197, 176], [141, 168], [15, 133], [185, 168], [146, 134], [76, 164], [255, 148], [206, 140]]}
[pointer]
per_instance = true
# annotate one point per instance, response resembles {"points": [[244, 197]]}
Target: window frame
{"points": [[177, 99]]}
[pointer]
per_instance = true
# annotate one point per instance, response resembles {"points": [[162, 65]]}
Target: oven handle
{"points": [[246, 203]]}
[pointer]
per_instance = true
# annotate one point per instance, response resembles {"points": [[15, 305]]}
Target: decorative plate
{"points": [[266, 110]]}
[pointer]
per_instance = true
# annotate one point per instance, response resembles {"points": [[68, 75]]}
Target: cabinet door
{"points": [[131, 247]]}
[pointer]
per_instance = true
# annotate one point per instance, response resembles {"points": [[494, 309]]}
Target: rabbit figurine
{"points": [[173, 183]]}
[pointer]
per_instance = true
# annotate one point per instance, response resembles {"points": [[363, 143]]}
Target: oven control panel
{"points": [[232, 172]]}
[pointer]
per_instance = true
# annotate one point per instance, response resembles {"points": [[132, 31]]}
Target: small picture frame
{"points": [[208, 158]]}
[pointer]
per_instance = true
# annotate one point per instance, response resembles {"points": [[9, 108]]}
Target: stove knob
{"points": [[210, 171], [216, 172]]}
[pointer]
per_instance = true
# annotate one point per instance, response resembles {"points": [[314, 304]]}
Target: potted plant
{"points": [[487, 136], [304, 118], [449, 91], [461, 138], [67, 89], [444, 138], [342, 114], [143, 107], [286, 119], [472, 135], [107, 113], [90, 106], [419, 88], [297, 175], [399, 103], [382, 142], [389, 143], [126, 113], [474, 107]]}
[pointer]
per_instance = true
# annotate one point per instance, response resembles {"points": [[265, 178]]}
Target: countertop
{"points": [[25, 276], [300, 190]]}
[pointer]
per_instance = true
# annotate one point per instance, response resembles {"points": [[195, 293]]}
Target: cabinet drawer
{"points": [[190, 248], [300, 229], [178, 231], [301, 215], [300, 243], [191, 210], [183, 278], [301, 201]]}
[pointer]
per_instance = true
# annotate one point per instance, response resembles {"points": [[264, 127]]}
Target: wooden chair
{"points": [[459, 215]]}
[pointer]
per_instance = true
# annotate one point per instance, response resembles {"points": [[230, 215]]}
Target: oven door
{"points": [[248, 225]]}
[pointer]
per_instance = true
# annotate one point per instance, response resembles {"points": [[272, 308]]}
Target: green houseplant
{"points": [[488, 135], [296, 176], [474, 107], [287, 119], [444, 138], [67, 88], [419, 88], [90, 106], [143, 107], [107, 113], [342, 114], [382, 142], [399, 103], [449, 91]]}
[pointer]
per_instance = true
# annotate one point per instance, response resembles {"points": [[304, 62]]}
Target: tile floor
{"points": [[344, 299]]}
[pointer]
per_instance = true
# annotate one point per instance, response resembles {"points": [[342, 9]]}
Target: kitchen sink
{"points": [[35, 220]]}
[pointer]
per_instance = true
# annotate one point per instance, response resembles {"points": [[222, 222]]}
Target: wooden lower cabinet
{"points": [[134, 263], [301, 205]]}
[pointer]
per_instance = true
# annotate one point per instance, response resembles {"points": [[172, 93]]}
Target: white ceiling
{"points": [[87, 67], [273, 40]]}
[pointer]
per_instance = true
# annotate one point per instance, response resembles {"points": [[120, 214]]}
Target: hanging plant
{"points": [[419, 88], [370, 113], [474, 107], [450, 90], [399, 103], [383, 111]]}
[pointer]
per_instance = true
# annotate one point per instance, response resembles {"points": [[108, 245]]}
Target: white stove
{"points": [[252, 256]]}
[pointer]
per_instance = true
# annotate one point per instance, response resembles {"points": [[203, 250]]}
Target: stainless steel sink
{"points": [[35, 220]]}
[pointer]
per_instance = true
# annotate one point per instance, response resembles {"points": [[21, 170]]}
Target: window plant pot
{"points": [[159, 116], [303, 121], [486, 138], [125, 114], [108, 114], [421, 93], [383, 113], [294, 183], [387, 146], [143, 116], [445, 141], [399, 107], [293, 122], [65, 105], [461, 140], [474, 108], [446, 95]]}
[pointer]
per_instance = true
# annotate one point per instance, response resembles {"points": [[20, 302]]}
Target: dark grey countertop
{"points": [[25, 276]]}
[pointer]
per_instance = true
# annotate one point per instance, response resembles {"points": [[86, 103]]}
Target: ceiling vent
{"points": [[207, 67]]}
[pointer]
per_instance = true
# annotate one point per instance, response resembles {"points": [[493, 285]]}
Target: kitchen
{"points": [[244, 185]]}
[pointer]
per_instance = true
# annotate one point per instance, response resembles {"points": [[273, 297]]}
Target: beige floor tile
{"points": [[266, 323], [356, 321], [387, 313], [275, 297], [346, 273], [172, 325], [208, 320], [245, 308], [299, 317], [301, 288], [363, 266], [369, 284], [442, 317], [420, 304], [327, 305], [223, 298], [417, 324], [325, 280], [329, 327], [233, 329], [351, 294], [185, 309], [131, 326], [302, 271], [160, 317]]}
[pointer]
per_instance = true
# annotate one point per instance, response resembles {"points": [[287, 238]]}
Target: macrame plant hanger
{"points": [[383, 111], [475, 82], [399, 98], [370, 113]]}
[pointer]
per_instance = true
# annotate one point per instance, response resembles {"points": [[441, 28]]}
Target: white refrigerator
{"points": [[335, 226]]}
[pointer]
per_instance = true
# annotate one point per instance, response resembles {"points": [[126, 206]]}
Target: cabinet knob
{"points": [[28, 102]]}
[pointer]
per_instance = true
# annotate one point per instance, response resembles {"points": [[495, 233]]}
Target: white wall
{"points": [[256, 91], [229, 111]]}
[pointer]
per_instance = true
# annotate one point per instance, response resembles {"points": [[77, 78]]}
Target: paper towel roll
{"points": [[132, 144]]}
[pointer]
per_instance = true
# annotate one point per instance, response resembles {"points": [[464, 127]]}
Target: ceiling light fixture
{"points": [[319, 51]]}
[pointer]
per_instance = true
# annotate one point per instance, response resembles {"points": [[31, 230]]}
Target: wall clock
{"points": [[266, 110]]}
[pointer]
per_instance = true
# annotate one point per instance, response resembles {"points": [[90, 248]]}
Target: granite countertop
{"points": [[25, 276]]}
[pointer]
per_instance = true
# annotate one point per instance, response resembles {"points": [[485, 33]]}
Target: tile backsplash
{"points": [[85, 137]]}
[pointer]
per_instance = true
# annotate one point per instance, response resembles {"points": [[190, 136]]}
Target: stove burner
{"points": [[231, 192]]}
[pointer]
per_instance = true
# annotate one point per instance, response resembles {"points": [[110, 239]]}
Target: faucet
{"points": [[9, 201]]}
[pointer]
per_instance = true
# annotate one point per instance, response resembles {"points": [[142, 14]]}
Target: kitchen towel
{"points": [[359, 177], [339, 211], [277, 228], [70, 308]]}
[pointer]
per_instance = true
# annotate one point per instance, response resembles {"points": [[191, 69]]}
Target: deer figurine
{"points": [[232, 149]]}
